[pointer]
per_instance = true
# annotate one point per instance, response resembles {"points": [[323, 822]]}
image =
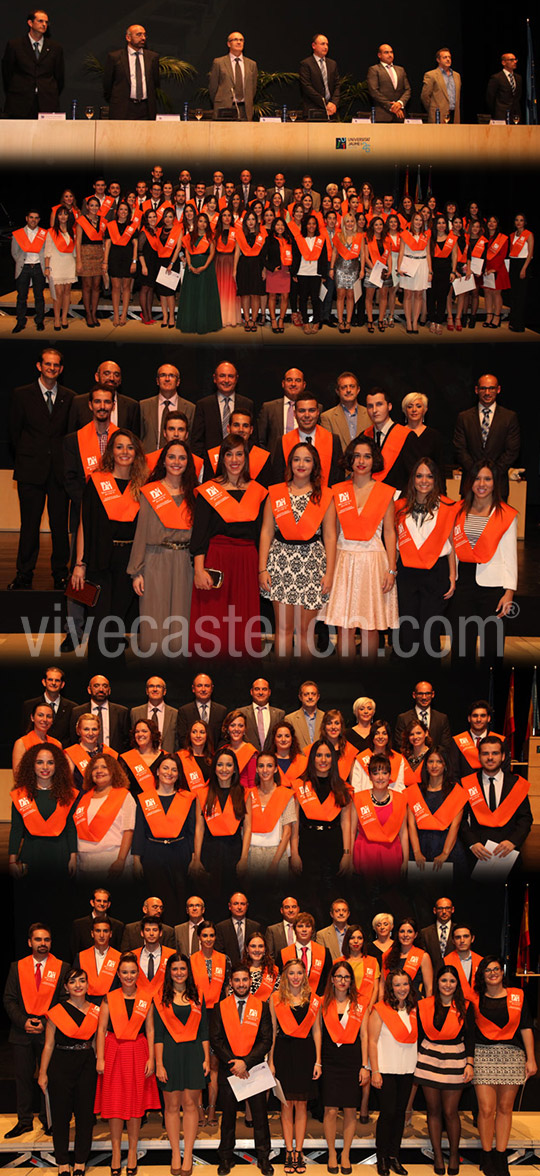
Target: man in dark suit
{"points": [[239, 1050], [437, 936], [504, 90], [155, 409], [328, 446], [488, 431], [33, 70], [436, 722], [187, 934], [39, 421], [398, 443], [212, 413], [498, 808], [125, 412], [233, 80], [81, 929], [242, 424], [156, 708], [246, 187], [33, 985], [279, 186], [211, 713], [113, 718], [465, 758], [388, 87], [280, 935], [53, 684], [232, 934], [261, 718], [277, 416], [131, 938], [319, 81], [217, 188], [131, 78]]}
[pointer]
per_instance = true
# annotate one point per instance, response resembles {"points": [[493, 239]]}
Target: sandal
{"points": [[487, 322], [299, 1163], [288, 1166], [494, 326], [370, 328], [391, 322], [341, 327], [202, 1116], [381, 325]]}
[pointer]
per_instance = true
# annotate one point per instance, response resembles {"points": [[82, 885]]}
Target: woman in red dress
{"points": [[379, 837], [225, 243], [496, 252]]}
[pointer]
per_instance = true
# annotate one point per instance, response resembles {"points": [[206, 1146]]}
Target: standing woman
{"points": [[169, 231], [297, 549], [68, 1071], [145, 749], [430, 442], [346, 268], [363, 710], [233, 736], [392, 241], [414, 247], [89, 236], [382, 944], [393, 1035], [225, 243], [60, 267], [273, 817], [68, 200], [333, 731], [409, 956], [295, 1057], [248, 266], [225, 807], [443, 250], [520, 254], [366, 972], [405, 212], [476, 248], [376, 248], [503, 1058], [435, 808], [104, 819], [286, 749], [120, 260], [277, 260], [485, 542], [41, 721], [496, 254], [426, 565], [198, 309], [344, 1058], [415, 745], [379, 840], [148, 254], [196, 756], [445, 1062], [42, 839], [321, 843], [160, 564], [168, 825], [211, 970], [379, 742], [309, 267], [363, 593], [262, 969], [126, 1087], [182, 1057], [226, 528]]}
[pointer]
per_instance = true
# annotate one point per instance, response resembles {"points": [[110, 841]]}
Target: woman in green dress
{"points": [[182, 1057], [199, 309], [42, 839]]}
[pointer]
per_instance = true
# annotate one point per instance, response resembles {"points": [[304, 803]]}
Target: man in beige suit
{"points": [[233, 80], [308, 718], [332, 936], [348, 418], [187, 934], [441, 90]]}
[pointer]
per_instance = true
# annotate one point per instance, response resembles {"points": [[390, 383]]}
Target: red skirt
{"points": [[122, 1090], [224, 622]]}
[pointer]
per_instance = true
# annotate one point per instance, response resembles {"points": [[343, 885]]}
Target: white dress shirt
{"points": [[132, 57]]}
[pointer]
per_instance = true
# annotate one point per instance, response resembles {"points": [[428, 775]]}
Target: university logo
{"points": [[156, 494], [253, 1014], [341, 143], [106, 486]]}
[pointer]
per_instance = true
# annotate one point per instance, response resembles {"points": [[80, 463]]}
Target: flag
{"points": [[531, 109], [406, 187], [533, 718], [491, 689], [429, 192], [418, 189], [523, 961], [396, 185], [509, 718]]}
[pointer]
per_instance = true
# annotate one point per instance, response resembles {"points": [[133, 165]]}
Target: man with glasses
{"points": [[438, 936], [488, 431], [233, 81], [503, 95], [436, 722]]}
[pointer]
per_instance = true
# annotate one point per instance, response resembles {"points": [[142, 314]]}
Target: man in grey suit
{"points": [[280, 935], [233, 80], [441, 90], [165, 716], [277, 416], [261, 718], [332, 936], [155, 409], [348, 418], [308, 718], [388, 87], [438, 936], [187, 934]]}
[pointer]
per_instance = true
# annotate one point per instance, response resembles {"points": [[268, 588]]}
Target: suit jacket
{"points": [[221, 84], [252, 733], [251, 194], [128, 414], [182, 936], [226, 940], [287, 194], [434, 95], [270, 422], [22, 75], [432, 945], [19, 257], [170, 718], [117, 84], [382, 93], [327, 938], [131, 937], [439, 728], [220, 1041], [312, 85], [14, 1006], [206, 430], [119, 725], [60, 725], [298, 721], [515, 830], [500, 99], [334, 419], [189, 713], [36, 434], [149, 420], [279, 464], [502, 445], [276, 940], [81, 937]]}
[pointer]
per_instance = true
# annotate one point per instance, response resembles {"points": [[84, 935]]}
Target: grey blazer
{"points": [[221, 84], [334, 420], [169, 740], [383, 94], [19, 256], [149, 420], [252, 733], [182, 935], [327, 938], [297, 719]]}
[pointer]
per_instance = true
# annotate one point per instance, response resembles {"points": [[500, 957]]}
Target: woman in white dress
{"points": [[104, 817], [414, 246], [60, 268]]}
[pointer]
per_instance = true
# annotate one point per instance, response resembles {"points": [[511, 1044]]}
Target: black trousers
{"points": [[393, 1099], [472, 600], [420, 594], [72, 1088], [229, 1107], [438, 291], [309, 288], [26, 1059], [30, 275], [116, 598], [32, 501], [518, 293]]}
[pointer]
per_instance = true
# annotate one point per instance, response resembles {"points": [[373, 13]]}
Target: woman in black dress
{"points": [[168, 824], [227, 814], [429, 442], [149, 262], [170, 233], [182, 1057], [409, 956], [295, 1057], [248, 267], [321, 841], [344, 1057], [445, 1061], [364, 711], [120, 261]]}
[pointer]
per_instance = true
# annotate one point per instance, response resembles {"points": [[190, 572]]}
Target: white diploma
{"points": [[259, 1078]]}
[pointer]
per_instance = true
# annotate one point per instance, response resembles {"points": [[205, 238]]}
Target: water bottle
{"points": [[373, 114], [186, 111], [508, 118], [74, 108], [437, 115], [284, 118]]}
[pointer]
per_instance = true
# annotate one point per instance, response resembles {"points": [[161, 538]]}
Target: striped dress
{"points": [[441, 1063]]}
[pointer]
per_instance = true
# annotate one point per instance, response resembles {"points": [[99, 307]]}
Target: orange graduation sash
{"points": [[166, 824], [466, 745], [367, 817], [210, 989], [266, 987], [37, 825], [124, 1028], [152, 987], [344, 1034], [411, 241], [287, 1020], [81, 758], [467, 985], [345, 761], [298, 766], [143, 774], [28, 246], [309, 522], [391, 447], [495, 245], [89, 450], [396, 760], [504, 811], [230, 245], [250, 250], [375, 255], [361, 525], [178, 1031], [166, 248], [257, 459], [447, 246], [514, 1004], [32, 738], [228, 508], [89, 230], [452, 1026], [352, 251], [153, 239], [322, 441], [220, 822], [176, 516], [121, 508], [478, 247], [60, 242], [101, 822], [121, 238], [307, 253], [391, 1018], [99, 982], [311, 805], [285, 251], [36, 1001], [263, 820], [413, 959], [241, 1036], [429, 551], [65, 1023], [194, 777], [518, 243], [484, 549], [452, 804], [318, 956], [243, 755]]}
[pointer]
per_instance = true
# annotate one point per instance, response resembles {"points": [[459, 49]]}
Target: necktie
{"points": [[166, 411], [99, 712], [424, 716], [443, 936], [486, 421], [246, 193], [138, 77], [512, 82], [155, 713], [204, 712], [49, 402], [309, 440], [238, 81], [150, 972], [290, 418], [226, 415], [260, 726], [37, 50], [492, 798], [240, 935], [324, 72], [241, 1007], [38, 974], [290, 934], [304, 957], [378, 437], [194, 940]]}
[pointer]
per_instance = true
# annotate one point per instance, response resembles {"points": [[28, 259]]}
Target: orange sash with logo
{"points": [[344, 1034], [220, 822], [210, 989], [466, 745], [514, 1004], [411, 241], [143, 774], [89, 450], [285, 251], [413, 960], [241, 1036], [504, 811], [263, 820], [121, 508], [166, 824], [243, 755], [307, 253], [478, 247], [81, 758], [28, 246], [392, 243], [163, 208], [495, 246], [194, 777], [349, 252], [60, 242], [429, 551], [452, 1026], [368, 979], [391, 1018], [322, 441], [74, 211], [266, 987], [99, 982], [368, 819], [32, 738], [152, 238], [396, 761], [375, 255], [452, 804], [230, 245], [361, 525], [345, 761], [318, 957], [124, 1028], [391, 448], [446, 248], [287, 1020], [228, 508], [311, 805], [37, 825], [166, 248], [309, 522], [100, 824], [152, 987], [250, 250], [36, 1001], [121, 238], [484, 549], [296, 769], [177, 1030], [65, 1023], [177, 517], [257, 459], [89, 230], [467, 985], [518, 243]]}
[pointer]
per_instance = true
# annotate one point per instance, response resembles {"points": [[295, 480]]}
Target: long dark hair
{"points": [[139, 468], [295, 746], [388, 996], [438, 487], [181, 784], [329, 990], [155, 734], [194, 232], [376, 725], [316, 473], [393, 961], [268, 962], [347, 938], [61, 784], [277, 777], [347, 458], [209, 745], [471, 476], [337, 785], [70, 223], [447, 780], [479, 979], [342, 740], [236, 788], [232, 441], [189, 477], [458, 998], [405, 742], [168, 986]]}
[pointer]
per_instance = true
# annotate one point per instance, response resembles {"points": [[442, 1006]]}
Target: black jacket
{"points": [[22, 75], [515, 830], [60, 726], [128, 414], [312, 85], [119, 724], [500, 98], [117, 84], [207, 429], [36, 434]]}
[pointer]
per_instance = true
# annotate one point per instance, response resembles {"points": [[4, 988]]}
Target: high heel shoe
{"points": [[370, 328], [487, 322], [289, 1167], [495, 326], [299, 1163]]}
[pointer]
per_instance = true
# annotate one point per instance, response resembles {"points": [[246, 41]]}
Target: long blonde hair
{"points": [[284, 991]]}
